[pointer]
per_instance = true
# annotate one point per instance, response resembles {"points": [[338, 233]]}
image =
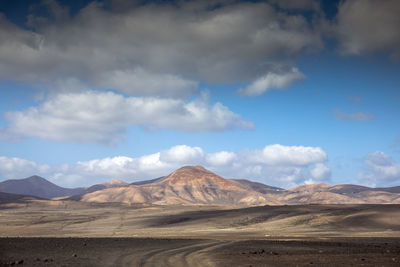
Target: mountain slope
{"points": [[97, 187], [193, 185], [258, 187], [37, 186], [187, 185], [110, 184], [7, 197]]}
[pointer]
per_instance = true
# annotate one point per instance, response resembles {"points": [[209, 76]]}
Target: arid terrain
{"points": [[194, 217], [70, 233]]}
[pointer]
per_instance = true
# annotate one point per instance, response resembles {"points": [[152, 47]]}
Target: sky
{"points": [[280, 92]]}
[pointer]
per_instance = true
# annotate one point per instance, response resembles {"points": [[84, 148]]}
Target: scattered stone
{"points": [[74, 255]]}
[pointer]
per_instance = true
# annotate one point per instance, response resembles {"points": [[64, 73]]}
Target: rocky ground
{"points": [[199, 252], [68, 233]]}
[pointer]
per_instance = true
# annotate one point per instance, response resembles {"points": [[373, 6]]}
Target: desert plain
{"points": [[72, 233]]}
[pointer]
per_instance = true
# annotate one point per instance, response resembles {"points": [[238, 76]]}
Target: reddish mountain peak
{"points": [[192, 169], [195, 175]]}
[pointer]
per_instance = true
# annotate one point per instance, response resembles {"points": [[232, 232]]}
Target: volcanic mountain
{"points": [[38, 187], [187, 185], [195, 185]]}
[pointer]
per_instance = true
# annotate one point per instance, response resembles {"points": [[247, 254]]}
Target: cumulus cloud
{"points": [[369, 25], [102, 117], [289, 155], [182, 154], [140, 82], [289, 167], [220, 158], [16, 168], [127, 46], [272, 80], [320, 172], [357, 116], [380, 170]]}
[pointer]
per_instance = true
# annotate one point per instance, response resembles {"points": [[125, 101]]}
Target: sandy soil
{"points": [[65, 233]]}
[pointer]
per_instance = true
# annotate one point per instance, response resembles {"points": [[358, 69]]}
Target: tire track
{"points": [[195, 254]]}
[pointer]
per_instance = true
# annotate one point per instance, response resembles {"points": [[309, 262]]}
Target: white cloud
{"points": [[221, 158], [289, 155], [16, 168], [282, 171], [357, 116], [320, 172], [125, 47], [272, 80], [369, 25], [102, 117], [182, 154], [380, 170]]}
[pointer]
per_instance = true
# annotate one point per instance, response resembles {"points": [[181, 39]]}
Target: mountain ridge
{"points": [[37, 186], [195, 185]]}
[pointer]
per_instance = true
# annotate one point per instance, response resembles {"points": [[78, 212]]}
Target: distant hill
{"points": [[110, 184], [258, 187], [195, 185], [187, 185], [343, 189], [7, 197], [37, 186], [97, 187]]}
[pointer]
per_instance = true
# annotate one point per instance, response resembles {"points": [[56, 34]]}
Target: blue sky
{"points": [[284, 93]]}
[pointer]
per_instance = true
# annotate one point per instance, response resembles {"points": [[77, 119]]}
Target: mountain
{"points": [[394, 189], [258, 187], [37, 186], [310, 188], [349, 189], [7, 197], [194, 185], [343, 189], [187, 185], [96, 187], [148, 181], [110, 184], [340, 194]]}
